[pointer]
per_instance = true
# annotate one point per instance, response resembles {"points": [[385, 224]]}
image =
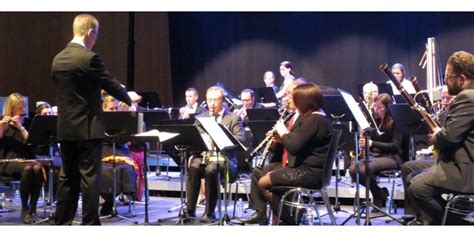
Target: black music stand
{"points": [[265, 95], [340, 114], [263, 114], [43, 131], [150, 99], [119, 127], [188, 140], [151, 118], [383, 88], [224, 141], [408, 122]]}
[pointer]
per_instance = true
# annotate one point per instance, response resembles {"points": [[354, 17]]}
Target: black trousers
{"points": [[80, 172], [196, 171], [410, 170], [257, 200], [376, 164]]}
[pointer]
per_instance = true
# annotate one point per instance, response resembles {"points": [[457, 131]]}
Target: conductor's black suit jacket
{"points": [[79, 75]]}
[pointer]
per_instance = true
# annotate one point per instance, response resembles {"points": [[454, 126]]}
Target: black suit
{"points": [[454, 171], [79, 76], [209, 171]]}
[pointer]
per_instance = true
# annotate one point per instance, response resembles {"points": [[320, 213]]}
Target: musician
{"points": [[191, 107], [370, 91], [305, 144], [43, 108], [12, 146], [454, 169], [257, 200], [286, 71], [79, 74], [247, 96], [398, 71], [414, 169], [269, 80], [126, 168], [206, 166], [384, 149]]}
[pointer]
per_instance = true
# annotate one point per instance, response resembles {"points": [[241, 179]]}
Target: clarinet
{"points": [[269, 140]]}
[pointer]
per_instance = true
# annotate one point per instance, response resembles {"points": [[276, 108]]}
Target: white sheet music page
{"points": [[355, 109], [163, 136], [216, 133]]}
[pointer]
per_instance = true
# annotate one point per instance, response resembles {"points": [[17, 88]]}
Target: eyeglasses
{"points": [[448, 76]]}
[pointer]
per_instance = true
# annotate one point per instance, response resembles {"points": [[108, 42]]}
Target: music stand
{"points": [[43, 131], [263, 114], [187, 140], [265, 95], [119, 127], [152, 118], [224, 141], [150, 136], [383, 88], [408, 122], [339, 113], [366, 132], [150, 99]]}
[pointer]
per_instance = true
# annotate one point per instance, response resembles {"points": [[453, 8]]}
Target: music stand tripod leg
{"points": [[114, 190], [50, 189], [182, 215]]}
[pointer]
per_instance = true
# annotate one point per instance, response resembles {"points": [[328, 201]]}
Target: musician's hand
{"points": [[17, 121], [5, 120], [431, 136], [136, 98], [281, 128]]}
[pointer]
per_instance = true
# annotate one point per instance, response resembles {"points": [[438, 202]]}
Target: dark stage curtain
{"points": [[335, 49]]}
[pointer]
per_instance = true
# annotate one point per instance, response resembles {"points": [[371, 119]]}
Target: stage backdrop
{"points": [[335, 49], [30, 41], [176, 50]]}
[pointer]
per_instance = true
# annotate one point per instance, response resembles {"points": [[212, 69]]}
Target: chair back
{"points": [[331, 156]]}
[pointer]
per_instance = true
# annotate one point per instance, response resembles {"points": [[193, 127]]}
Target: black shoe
{"points": [[25, 217], [34, 218], [416, 222], [259, 217], [106, 210], [406, 219], [208, 217]]}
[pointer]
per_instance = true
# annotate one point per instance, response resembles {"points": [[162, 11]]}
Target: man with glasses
{"points": [[454, 169], [207, 166]]}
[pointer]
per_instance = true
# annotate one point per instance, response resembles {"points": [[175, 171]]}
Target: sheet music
{"points": [[217, 134], [163, 136], [356, 111]]}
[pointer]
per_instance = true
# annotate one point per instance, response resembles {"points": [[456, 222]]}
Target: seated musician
{"points": [[384, 150], [305, 145], [30, 173], [454, 169], [192, 106], [370, 91], [207, 166], [414, 169], [247, 96], [257, 201], [126, 168]]}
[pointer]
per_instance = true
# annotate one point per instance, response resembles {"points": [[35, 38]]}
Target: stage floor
{"points": [[168, 190]]}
